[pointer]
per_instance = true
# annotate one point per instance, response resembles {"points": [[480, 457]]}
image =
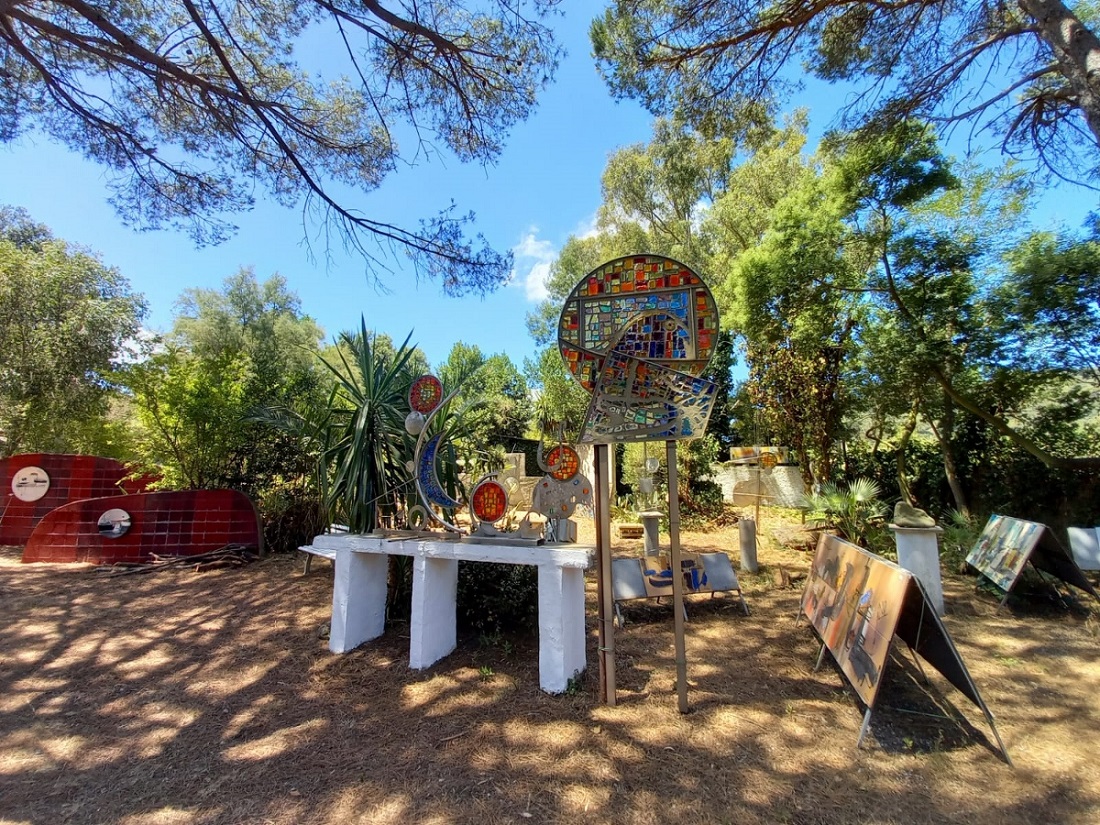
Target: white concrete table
{"points": [[359, 596]]}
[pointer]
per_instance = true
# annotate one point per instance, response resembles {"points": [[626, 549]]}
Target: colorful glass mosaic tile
{"points": [[650, 306], [563, 461], [425, 394], [638, 400]]}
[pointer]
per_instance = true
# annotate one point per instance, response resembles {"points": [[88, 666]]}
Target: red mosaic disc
{"points": [[563, 462], [425, 394], [489, 501]]}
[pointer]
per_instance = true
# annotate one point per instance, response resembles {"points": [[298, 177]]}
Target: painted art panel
{"points": [[33, 484], [853, 599], [1003, 549], [699, 576], [134, 528]]}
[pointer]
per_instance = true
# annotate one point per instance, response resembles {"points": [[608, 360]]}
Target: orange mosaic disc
{"points": [[563, 462], [489, 501]]}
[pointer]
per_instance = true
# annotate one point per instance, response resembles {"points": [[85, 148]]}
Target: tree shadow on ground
{"points": [[182, 698]]}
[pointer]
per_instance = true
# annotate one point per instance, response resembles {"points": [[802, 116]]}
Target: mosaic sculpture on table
{"points": [[488, 502], [637, 333], [558, 493]]}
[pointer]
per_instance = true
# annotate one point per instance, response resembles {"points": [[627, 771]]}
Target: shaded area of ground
{"points": [[212, 698]]}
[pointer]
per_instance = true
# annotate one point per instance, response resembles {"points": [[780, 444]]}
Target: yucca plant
{"points": [[852, 511], [364, 445]]}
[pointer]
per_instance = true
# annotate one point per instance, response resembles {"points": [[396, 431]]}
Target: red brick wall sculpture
{"points": [[66, 478], [179, 523]]}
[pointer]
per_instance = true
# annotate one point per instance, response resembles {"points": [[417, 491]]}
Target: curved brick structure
{"points": [[179, 523], [71, 478]]}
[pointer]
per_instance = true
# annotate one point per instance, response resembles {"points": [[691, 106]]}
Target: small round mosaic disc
{"points": [[564, 462], [425, 394], [489, 501]]}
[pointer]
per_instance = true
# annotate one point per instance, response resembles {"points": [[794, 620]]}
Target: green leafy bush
{"points": [[497, 598]]}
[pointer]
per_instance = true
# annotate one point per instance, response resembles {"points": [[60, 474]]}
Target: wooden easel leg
{"points": [[820, 658], [677, 575]]}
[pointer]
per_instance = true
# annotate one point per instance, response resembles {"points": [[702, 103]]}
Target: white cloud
{"points": [[531, 268], [587, 228]]}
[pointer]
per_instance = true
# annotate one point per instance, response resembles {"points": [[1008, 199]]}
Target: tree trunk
{"points": [[1076, 49], [903, 443], [950, 468]]}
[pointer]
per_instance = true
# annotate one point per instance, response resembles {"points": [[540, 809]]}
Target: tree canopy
{"points": [[65, 320], [231, 354], [193, 105], [1028, 70]]}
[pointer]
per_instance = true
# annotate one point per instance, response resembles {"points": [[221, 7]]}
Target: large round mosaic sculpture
{"points": [[637, 332]]}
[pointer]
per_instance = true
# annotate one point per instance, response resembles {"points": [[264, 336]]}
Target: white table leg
{"points": [[358, 599], [561, 626], [434, 596]]}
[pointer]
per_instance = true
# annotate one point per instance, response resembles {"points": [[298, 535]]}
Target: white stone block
{"points": [[358, 600], [919, 552]]}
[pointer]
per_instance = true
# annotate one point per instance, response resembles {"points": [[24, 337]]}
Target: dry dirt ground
{"points": [[182, 697]]}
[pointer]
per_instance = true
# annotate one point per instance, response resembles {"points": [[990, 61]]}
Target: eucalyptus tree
{"points": [[1026, 70], [198, 107]]}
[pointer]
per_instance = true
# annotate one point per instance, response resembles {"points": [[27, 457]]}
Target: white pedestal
{"points": [[358, 600], [651, 524], [919, 552], [434, 599], [561, 626], [359, 597]]}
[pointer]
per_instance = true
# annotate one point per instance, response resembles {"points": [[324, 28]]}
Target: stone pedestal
{"points": [[746, 529], [651, 524], [919, 552]]}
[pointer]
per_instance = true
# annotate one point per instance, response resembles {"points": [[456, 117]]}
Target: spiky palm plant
{"points": [[364, 445], [851, 510]]}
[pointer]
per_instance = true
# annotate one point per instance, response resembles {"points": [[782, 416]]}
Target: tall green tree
{"points": [[794, 296], [231, 354], [1026, 70], [193, 105], [65, 322], [884, 177], [1052, 302], [495, 390]]}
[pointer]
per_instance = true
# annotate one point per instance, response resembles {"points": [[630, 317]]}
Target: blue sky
{"points": [[545, 187]]}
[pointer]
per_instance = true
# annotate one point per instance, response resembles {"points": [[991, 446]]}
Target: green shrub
{"points": [[497, 598], [854, 511], [960, 533]]}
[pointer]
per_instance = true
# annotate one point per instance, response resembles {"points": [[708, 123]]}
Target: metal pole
{"points": [[604, 596], [757, 519], [677, 575]]}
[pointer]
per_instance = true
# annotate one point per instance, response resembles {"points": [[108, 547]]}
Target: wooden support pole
{"points": [[605, 597], [677, 575]]}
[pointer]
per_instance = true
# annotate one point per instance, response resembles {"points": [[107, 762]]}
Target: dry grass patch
{"points": [[179, 699]]}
